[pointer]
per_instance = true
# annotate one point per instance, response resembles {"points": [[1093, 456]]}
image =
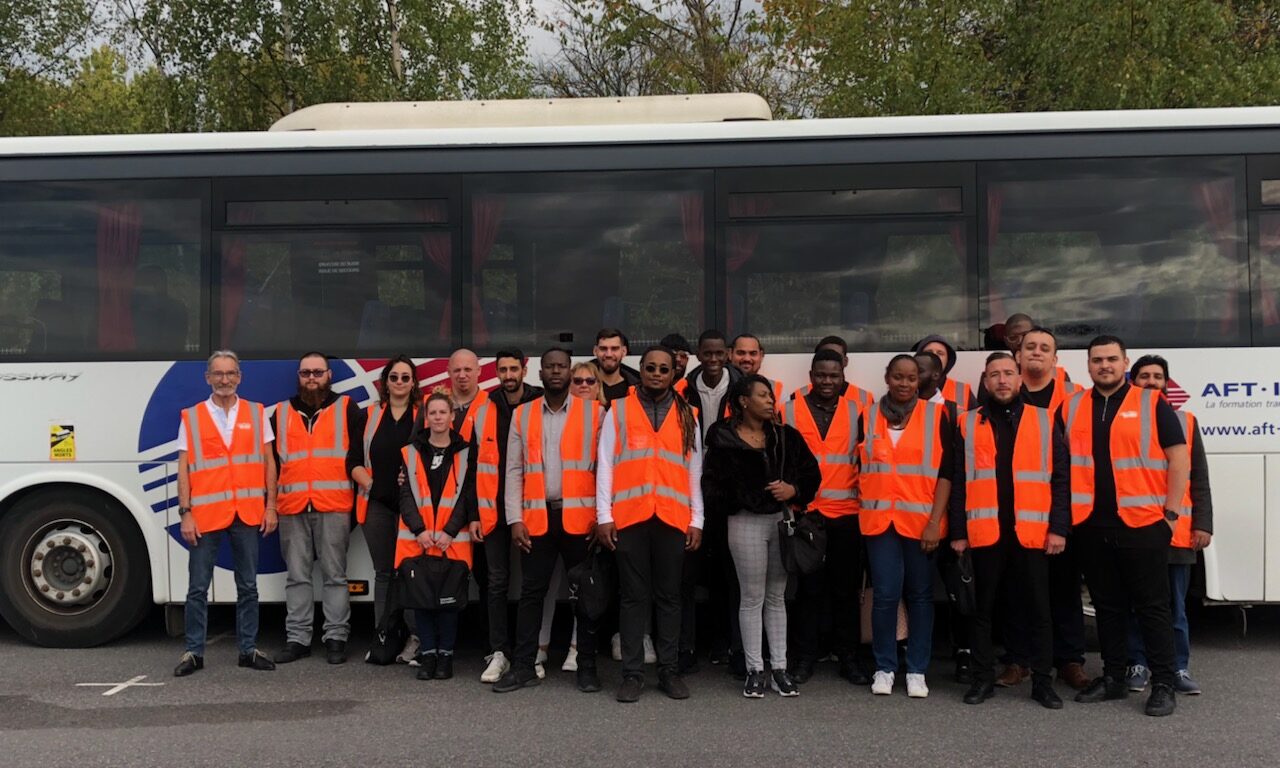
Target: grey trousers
{"points": [[762, 582], [305, 539]]}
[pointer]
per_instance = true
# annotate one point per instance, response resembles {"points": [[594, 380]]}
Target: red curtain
{"points": [[486, 218], [995, 205], [1217, 200], [742, 242], [234, 251], [1270, 240], [119, 237], [438, 247]]}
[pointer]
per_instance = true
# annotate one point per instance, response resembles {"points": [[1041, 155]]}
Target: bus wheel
{"points": [[73, 569]]}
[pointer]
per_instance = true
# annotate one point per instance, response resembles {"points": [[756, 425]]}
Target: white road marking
{"points": [[114, 688]]}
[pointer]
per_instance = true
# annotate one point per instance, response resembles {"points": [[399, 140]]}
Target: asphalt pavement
{"points": [[312, 714]]}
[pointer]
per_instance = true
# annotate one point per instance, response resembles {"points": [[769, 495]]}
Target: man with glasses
{"points": [[314, 429], [226, 490]]}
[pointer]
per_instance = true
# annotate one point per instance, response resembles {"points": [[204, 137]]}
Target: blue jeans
{"points": [[1179, 581], [896, 562], [200, 563], [437, 631]]}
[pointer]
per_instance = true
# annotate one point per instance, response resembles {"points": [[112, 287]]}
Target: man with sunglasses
{"points": [[314, 430]]}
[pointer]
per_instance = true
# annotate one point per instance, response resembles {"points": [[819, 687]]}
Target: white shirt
{"points": [[225, 420], [711, 397], [604, 475]]}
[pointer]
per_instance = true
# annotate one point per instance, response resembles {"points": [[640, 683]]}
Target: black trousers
{"points": [[1127, 569], [1066, 607], [650, 559], [712, 563], [381, 527], [831, 591], [1009, 570], [494, 579], [536, 567]]}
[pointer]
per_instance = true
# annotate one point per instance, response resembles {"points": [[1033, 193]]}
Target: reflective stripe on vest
{"points": [[837, 454], [434, 519], [373, 418], [1032, 467], [957, 392], [895, 489], [651, 472], [1182, 528], [481, 424], [577, 450], [313, 475], [226, 482], [1138, 462]]}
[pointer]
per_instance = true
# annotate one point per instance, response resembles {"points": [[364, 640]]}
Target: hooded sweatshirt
{"points": [[951, 363]]}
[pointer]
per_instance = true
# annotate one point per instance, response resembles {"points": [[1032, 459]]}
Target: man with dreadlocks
{"points": [[649, 511]]}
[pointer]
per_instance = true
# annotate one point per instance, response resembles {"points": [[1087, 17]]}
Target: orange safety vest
{"points": [[1137, 460], [225, 482], [1032, 476], [837, 454], [1182, 528], [313, 464], [481, 422], [372, 418], [898, 482], [957, 392], [853, 393], [435, 519], [650, 469], [577, 451]]}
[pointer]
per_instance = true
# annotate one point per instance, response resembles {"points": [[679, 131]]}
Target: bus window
{"points": [[1268, 234], [347, 292], [881, 285], [99, 270], [557, 257], [1151, 250]]}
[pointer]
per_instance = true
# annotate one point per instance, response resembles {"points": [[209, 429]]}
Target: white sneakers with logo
{"points": [[498, 666]]}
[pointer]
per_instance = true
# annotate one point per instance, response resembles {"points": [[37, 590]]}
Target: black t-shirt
{"points": [[1040, 399], [821, 416], [1169, 429], [616, 391], [1001, 418], [438, 467], [385, 459]]}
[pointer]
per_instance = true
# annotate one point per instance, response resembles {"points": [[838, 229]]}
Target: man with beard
{"points": [[747, 354], [313, 430], [953, 391], [610, 349]]}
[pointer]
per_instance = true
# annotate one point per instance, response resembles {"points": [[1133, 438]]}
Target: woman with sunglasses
{"points": [[374, 463], [585, 382], [905, 483], [649, 511], [754, 469]]}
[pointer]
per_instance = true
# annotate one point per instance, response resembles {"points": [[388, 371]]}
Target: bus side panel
{"points": [[1272, 529], [1234, 561]]}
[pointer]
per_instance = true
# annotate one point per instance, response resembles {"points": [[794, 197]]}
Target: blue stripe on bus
{"points": [[166, 504], [160, 482]]}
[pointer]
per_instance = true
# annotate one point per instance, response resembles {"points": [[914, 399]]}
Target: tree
{"points": [[38, 40]]}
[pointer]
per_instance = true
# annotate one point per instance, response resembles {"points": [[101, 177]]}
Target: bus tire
{"points": [[98, 580]]}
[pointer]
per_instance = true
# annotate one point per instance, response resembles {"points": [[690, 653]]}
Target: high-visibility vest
{"points": [[372, 418], [898, 483], [650, 468], [577, 451], [480, 426], [1032, 473], [225, 482], [1062, 391], [436, 518], [1137, 460], [957, 392], [853, 393], [837, 454], [313, 464], [1182, 528], [1060, 378]]}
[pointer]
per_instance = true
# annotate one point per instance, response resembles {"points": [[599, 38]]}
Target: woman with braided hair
{"points": [[649, 511]]}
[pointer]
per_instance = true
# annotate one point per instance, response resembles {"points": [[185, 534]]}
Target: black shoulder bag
{"points": [[592, 582], [802, 538]]}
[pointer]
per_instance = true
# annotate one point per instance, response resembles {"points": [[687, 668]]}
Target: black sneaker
{"points": [[1162, 700], [756, 685], [781, 682], [801, 670], [1103, 689], [335, 651], [292, 652], [427, 665], [588, 680], [444, 667], [687, 663], [670, 683], [964, 667], [1043, 694], [979, 692], [517, 677], [738, 665], [188, 664], [629, 691], [257, 660]]}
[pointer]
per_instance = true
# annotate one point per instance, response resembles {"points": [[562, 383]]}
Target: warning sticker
{"points": [[62, 442]]}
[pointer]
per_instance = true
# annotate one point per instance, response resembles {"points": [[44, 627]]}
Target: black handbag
{"points": [[391, 632], [592, 583], [803, 542], [957, 573], [434, 583]]}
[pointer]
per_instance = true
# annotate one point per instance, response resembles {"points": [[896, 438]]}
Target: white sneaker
{"points": [[409, 655], [882, 683], [539, 664], [571, 661], [650, 656], [498, 666], [616, 646], [916, 688]]}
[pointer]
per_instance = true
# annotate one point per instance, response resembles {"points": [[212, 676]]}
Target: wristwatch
{"points": [[1170, 515], [184, 511]]}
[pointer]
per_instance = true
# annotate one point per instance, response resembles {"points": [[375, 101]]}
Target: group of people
{"points": [[1028, 480]]}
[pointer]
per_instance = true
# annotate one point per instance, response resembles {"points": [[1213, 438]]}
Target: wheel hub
{"points": [[69, 565]]}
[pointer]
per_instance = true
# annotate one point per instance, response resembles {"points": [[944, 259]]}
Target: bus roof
{"points": [[781, 130]]}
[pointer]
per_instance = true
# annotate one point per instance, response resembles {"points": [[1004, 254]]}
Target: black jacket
{"points": [[734, 474], [695, 398], [465, 512]]}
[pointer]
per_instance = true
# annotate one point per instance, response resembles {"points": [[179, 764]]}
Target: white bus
{"points": [[125, 260]]}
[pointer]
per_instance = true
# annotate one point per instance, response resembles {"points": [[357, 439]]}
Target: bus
{"points": [[126, 260]]}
